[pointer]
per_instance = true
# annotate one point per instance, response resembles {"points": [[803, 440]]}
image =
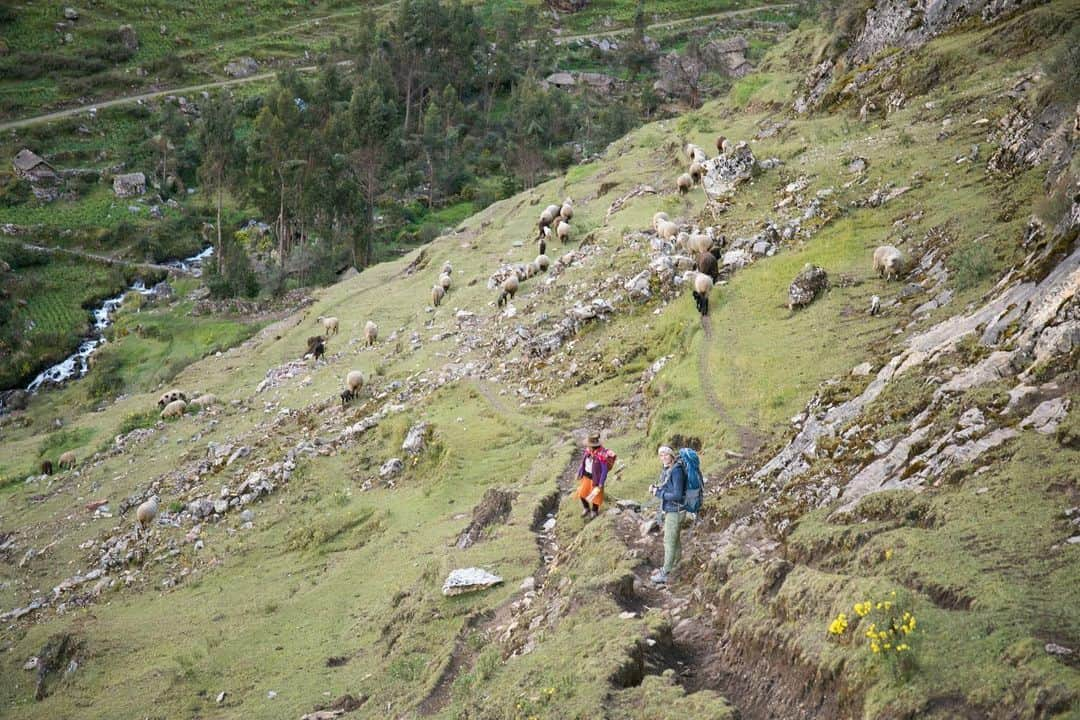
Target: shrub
{"points": [[971, 265], [137, 421], [106, 379], [890, 633]]}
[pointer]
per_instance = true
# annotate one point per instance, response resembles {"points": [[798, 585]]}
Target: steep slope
{"points": [[332, 585]]}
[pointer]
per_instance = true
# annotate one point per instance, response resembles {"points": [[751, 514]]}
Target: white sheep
{"points": [[549, 214], [444, 281], [696, 171], [563, 231], [371, 333], [888, 262], [509, 288], [667, 229], [169, 396], [437, 294], [447, 268], [723, 145], [354, 381], [174, 409], [694, 153], [67, 460], [568, 259], [145, 514], [698, 243], [656, 218], [536, 269], [206, 400], [703, 285], [330, 325], [684, 182], [567, 209], [542, 262], [875, 305], [529, 271]]}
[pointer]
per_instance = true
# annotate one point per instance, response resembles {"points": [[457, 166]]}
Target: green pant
{"points": [[672, 546]]}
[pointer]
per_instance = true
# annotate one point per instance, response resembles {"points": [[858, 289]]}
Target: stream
{"points": [[76, 365]]}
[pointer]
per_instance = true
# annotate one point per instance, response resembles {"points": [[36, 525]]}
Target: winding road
{"points": [[189, 89]]}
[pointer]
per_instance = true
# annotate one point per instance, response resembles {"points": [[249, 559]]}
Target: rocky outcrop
{"points": [[242, 67], [806, 286], [724, 173]]}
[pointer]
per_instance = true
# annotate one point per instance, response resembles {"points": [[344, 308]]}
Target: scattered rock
{"points": [[494, 507], [416, 439], [806, 286], [1047, 416], [391, 468], [242, 67], [1059, 650], [465, 580]]}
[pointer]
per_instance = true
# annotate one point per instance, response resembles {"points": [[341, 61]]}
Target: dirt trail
{"points": [[104, 259], [749, 440]]}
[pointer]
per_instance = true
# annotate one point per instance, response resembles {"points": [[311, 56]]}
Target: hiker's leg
{"points": [[671, 540]]}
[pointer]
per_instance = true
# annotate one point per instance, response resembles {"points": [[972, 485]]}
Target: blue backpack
{"points": [[695, 483]]}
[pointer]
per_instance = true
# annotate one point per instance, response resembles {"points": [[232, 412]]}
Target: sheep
{"points": [[696, 171], [698, 243], [720, 141], [875, 305], [316, 346], [543, 247], [888, 262], [509, 288], [656, 218], [447, 268], [437, 294], [695, 153], [706, 264], [535, 268], [174, 409], [567, 210], [145, 514], [168, 397], [46, 467], [684, 182], [354, 381], [567, 259], [703, 285], [528, 270], [444, 280], [66, 461], [667, 229], [371, 333], [330, 324], [542, 262], [563, 231], [347, 396], [205, 400], [547, 217]]}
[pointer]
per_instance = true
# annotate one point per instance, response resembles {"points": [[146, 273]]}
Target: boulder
{"points": [[806, 286], [415, 439], [71, 13], [678, 74], [465, 580], [724, 173], [728, 56], [391, 468], [242, 67]]}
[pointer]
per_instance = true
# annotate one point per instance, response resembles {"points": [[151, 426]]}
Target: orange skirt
{"points": [[586, 488]]}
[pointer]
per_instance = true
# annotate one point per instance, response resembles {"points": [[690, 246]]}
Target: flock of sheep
{"points": [[889, 262]]}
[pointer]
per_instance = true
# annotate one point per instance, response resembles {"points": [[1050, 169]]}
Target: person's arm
{"points": [[675, 486], [601, 476], [581, 465]]}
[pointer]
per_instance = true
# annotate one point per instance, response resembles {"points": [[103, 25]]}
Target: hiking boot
{"points": [[595, 514], [659, 577], [585, 513]]}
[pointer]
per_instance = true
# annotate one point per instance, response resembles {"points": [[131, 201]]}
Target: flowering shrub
{"points": [[889, 633]]}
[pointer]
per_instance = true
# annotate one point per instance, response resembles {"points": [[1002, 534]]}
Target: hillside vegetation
{"points": [[921, 460]]}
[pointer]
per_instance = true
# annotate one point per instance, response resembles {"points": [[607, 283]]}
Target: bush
{"points": [[971, 265], [106, 379], [13, 190], [137, 420]]}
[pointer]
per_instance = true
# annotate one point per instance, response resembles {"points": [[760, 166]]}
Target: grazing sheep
{"points": [[146, 513], [656, 218], [447, 268], [563, 231], [174, 409], [698, 243], [703, 285], [444, 280], [437, 294], [875, 305], [371, 333], [67, 460], [667, 229], [347, 396], [547, 217], [567, 259], [685, 182], [354, 380], [330, 324], [205, 400], [168, 397], [566, 212], [888, 262], [522, 272], [696, 171], [509, 288], [536, 269], [720, 140], [542, 248], [529, 271], [46, 467], [695, 153], [542, 262], [706, 265], [316, 346]]}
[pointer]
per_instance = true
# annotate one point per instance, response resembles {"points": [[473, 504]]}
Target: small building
{"points": [[32, 167], [129, 185]]}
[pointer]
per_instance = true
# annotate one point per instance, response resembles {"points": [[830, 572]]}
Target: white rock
{"points": [[464, 580]]}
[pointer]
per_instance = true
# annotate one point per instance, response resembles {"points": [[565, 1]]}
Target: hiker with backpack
{"points": [[592, 473], [679, 489]]}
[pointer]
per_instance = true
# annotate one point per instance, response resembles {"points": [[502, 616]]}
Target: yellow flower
{"points": [[902, 647], [888, 556], [862, 609], [874, 647]]}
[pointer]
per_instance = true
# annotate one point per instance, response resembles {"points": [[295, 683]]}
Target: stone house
{"points": [[32, 167], [129, 185]]}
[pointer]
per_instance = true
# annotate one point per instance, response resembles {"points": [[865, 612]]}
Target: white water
{"points": [[77, 364]]}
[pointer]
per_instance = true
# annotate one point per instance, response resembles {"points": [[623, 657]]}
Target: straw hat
{"points": [[593, 441]]}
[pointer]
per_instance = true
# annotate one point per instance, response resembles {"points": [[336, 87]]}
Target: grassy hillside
{"points": [[332, 586]]}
